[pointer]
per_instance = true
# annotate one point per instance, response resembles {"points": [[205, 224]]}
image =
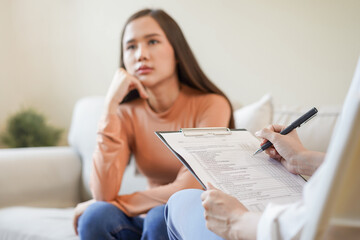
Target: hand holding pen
{"points": [[297, 123], [287, 147]]}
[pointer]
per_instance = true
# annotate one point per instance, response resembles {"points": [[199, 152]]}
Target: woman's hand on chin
{"points": [[120, 86]]}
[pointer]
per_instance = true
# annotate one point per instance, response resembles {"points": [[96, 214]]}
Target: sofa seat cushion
{"points": [[28, 223]]}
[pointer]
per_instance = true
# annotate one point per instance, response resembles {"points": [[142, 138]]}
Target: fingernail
{"points": [[257, 133]]}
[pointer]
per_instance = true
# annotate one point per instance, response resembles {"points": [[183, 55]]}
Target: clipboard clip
{"points": [[205, 131]]}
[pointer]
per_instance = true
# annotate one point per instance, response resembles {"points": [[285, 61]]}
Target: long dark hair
{"points": [[188, 69]]}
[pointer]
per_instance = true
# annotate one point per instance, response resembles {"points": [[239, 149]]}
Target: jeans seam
{"points": [[120, 228]]}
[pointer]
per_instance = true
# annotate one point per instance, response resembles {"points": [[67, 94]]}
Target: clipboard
{"points": [[192, 132], [224, 157]]}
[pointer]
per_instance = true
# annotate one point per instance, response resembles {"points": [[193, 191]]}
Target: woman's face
{"points": [[148, 55]]}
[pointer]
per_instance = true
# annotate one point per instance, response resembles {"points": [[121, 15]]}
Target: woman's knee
{"points": [[155, 216], [154, 224], [96, 219]]}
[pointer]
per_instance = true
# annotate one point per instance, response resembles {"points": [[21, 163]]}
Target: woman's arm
{"points": [[141, 202], [214, 111], [112, 151], [110, 159]]}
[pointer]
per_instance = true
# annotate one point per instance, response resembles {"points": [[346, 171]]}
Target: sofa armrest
{"points": [[39, 177]]}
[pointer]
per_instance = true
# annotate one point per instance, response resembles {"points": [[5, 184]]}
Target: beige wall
{"points": [[302, 51]]}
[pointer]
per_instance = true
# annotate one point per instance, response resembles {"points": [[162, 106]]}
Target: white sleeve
{"points": [[281, 221], [287, 221]]}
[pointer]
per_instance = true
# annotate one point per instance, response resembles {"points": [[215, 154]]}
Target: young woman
{"points": [[159, 86]]}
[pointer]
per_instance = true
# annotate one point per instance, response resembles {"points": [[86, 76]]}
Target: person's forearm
{"points": [[110, 159], [309, 161], [110, 107]]}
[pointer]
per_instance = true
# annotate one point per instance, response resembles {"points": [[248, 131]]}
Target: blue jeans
{"points": [[102, 220], [184, 216]]}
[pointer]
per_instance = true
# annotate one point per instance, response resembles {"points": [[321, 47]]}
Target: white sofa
{"points": [[40, 186]]}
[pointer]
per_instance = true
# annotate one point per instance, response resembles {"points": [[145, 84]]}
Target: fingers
{"points": [[205, 200], [79, 210], [271, 151], [276, 127], [266, 134], [209, 187], [141, 89], [263, 142], [270, 132], [75, 222], [209, 198], [135, 82], [122, 84], [204, 195]]}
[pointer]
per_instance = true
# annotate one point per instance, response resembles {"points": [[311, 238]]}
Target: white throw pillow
{"points": [[255, 116]]}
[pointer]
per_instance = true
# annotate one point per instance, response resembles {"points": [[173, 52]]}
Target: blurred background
{"points": [[54, 52]]}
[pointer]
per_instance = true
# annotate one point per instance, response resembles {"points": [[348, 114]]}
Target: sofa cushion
{"points": [[82, 135], [39, 176], [19, 223], [255, 116], [315, 134]]}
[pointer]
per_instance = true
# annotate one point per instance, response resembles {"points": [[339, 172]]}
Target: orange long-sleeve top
{"points": [[131, 130]]}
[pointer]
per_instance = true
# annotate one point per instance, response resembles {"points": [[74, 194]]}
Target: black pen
{"points": [[297, 123]]}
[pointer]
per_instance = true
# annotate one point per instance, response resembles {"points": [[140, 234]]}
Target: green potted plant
{"points": [[28, 128]]}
